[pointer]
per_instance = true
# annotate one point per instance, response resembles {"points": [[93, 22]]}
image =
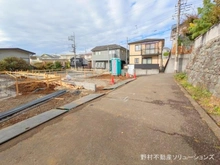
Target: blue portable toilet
{"points": [[116, 66]]}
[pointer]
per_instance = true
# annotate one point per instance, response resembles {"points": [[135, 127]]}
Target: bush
{"points": [[67, 64], [180, 76], [48, 65], [200, 94], [39, 65], [166, 54], [57, 65], [3, 65], [13, 63]]}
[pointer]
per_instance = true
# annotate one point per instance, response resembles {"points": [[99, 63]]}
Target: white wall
{"points": [[14, 53], [208, 36]]}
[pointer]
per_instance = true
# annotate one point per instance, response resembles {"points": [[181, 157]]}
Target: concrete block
{"points": [[152, 71], [140, 72], [86, 85], [118, 84]]}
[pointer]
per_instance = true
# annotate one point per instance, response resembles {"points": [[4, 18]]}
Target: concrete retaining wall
{"points": [[141, 72], [183, 61], [207, 37], [204, 66]]}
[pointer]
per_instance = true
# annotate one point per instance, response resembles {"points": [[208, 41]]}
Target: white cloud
{"points": [[44, 26], [3, 37]]}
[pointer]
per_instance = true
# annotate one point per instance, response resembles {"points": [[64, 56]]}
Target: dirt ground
{"points": [[104, 80], [31, 91], [32, 87], [19, 100], [109, 76]]}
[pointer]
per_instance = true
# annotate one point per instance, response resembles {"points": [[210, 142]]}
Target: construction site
{"points": [[25, 94]]}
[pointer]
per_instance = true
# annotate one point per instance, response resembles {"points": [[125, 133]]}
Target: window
{"points": [[111, 51], [97, 53], [150, 48], [137, 47], [136, 60], [100, 65], [147, 60]]}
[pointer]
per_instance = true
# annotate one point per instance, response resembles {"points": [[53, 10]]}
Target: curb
{"points": [[113, 89], [115, 86], [203, 114]]}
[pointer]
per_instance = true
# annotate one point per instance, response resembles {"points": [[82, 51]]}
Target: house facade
{"points": [[16, 52], [86, 56], [80, 61], [48, 58], [147, 51], [102, 55]]}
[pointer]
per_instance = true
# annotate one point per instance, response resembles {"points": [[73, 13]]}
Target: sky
{"points": [[44, 26]]}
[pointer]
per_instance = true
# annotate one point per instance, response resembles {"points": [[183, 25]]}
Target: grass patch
{"points": [[210, 103]]}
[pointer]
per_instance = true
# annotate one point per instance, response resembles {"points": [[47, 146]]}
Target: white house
{"points": [[15, 52]]}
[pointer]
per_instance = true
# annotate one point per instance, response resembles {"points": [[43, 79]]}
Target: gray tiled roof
{"points": [[147, 40], [17, 49], [106, 47]]}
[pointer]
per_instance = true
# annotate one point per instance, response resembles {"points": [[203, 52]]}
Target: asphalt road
{"points": [[148, 121]]}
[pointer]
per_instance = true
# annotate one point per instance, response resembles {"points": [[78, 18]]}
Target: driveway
{"points": [[148, 121]]}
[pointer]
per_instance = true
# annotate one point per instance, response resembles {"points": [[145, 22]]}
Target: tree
{"points": [[189, 19], [216, 10], [166, 54], [49, 65], [14, 63], [209, 15]]}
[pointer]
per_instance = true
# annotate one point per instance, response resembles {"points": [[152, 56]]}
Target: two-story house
{"points": [[147, 51], [102, 55]]}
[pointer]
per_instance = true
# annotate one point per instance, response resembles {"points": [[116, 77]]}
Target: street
{"points": [[148, 121]]}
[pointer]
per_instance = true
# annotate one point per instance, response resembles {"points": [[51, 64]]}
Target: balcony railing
{"points": [[153, 51]]}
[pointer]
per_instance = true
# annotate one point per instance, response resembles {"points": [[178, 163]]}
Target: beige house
{"points": [[48, 58], [147, 51], [15, 52]]}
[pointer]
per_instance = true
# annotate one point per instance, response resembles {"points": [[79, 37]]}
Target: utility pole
{"points": [[182, 7], [108, 60], [177, 35], [127, 52], [72, 38]]}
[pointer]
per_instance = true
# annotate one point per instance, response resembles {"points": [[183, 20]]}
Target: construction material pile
{"points": [[42, 87], [27, 88]]}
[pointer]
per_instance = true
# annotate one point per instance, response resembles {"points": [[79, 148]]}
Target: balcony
{"points": [[153, 51]]}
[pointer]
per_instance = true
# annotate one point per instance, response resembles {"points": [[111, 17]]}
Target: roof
{"points": [[17, 49], [85, 54], [147, 40], [166, 48], [173, 27], [106, 47], [49, 56]]}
